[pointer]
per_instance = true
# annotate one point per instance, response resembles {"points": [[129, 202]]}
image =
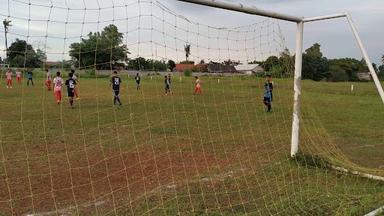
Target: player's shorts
{"points": [[267, 99], [116, 92], [71, 93], [167, 87]]}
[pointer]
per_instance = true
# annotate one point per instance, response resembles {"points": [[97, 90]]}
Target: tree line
{"points": [[317, 67], [106, 50]]}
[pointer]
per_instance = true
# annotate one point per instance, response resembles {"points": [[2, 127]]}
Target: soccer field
{"points": [[219, 153]]}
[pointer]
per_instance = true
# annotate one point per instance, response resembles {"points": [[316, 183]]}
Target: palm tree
{"points": [[6, 24], [187, 49]]}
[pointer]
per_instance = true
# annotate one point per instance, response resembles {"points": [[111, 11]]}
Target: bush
{"points": [[381, 72], [337, 74], [188, 72], [276, 71], [381, 75]]}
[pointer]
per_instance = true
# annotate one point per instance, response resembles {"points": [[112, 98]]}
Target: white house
{"points": [[364, 76], [249, 68]]}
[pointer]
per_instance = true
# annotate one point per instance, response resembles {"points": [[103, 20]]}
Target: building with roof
{"points": [[249, 68]]}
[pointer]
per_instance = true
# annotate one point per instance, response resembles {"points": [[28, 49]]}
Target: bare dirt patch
{"points": [[97, 183]]}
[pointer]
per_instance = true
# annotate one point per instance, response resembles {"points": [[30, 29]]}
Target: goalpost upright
{"points": [[298, 52]]}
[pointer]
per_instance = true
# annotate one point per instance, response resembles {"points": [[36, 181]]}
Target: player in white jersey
{"points": [[197, 86], [18, 76], [9, 75], [75, 78], [48, 80], [58, 84]]}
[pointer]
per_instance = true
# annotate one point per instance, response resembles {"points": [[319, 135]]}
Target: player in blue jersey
{"points": [[268, 93]]}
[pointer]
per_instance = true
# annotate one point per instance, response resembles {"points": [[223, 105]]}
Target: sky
{"points": [[335, 36], [160, 28]]}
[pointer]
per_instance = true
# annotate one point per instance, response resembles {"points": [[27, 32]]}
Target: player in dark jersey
{"points": [[268, 88], [30, 77], [71, 85], [167, 84], [138, 80], [115, 83], [270, 83], [170, 83]]}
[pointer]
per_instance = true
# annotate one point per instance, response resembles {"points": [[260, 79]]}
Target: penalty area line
{"points": [[66, 211]]}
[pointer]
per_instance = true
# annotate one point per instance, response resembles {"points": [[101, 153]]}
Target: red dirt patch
{"points": [[110, 179]]}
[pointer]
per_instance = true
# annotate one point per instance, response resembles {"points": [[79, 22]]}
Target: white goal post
{"points": [[298, 53]]}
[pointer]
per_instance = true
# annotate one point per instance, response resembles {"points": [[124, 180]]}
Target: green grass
{"points": [[215, 154]]}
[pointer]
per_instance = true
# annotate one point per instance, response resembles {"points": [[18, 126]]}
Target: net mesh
{"points": [[218, 153]]}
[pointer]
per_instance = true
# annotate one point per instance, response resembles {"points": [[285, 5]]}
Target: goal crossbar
{"points": [[245, 9], [298, 52]]}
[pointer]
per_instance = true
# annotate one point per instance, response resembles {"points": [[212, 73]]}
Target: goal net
{"points": [[193, 135]]}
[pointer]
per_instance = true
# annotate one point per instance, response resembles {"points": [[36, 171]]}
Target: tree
{"points": [[278, 66], [314, 51], [139, 63], [171, 65], [351, 67], [271, 62], [287, 62], [381, 72], [256, 62], [143, 64], [231, 62], [6, 24], [337, 73], [315, 66], [276, 70], [374, 65], [22, 54], [41, 56], [187, 49], [381, 68], [382, 59], [156, 65], [103, 49]]}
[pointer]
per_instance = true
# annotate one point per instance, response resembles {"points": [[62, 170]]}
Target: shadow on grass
{"points": [[312, 161]]}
